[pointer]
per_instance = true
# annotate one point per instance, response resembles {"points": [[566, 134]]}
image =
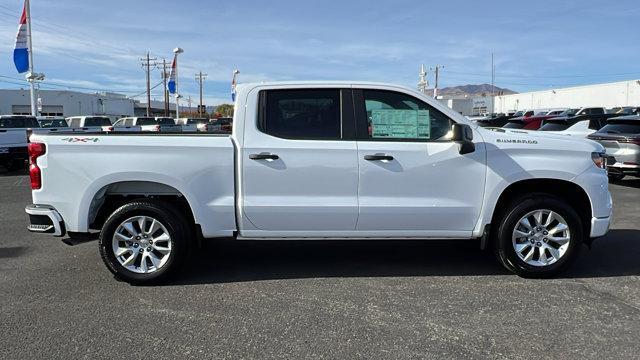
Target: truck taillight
{"points": [[35, 150], [157, 127], [110, 128]]}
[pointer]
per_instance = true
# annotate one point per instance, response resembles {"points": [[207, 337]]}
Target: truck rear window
{"points": [[165, 121], [19, 122], [146, 121], [97, 121], [301, 114]]}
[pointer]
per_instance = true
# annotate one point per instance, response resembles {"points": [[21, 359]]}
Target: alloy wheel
{"points": [[541, 237], [142, 244]]}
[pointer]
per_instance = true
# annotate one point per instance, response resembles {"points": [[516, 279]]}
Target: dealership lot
{"points": [[392, 299]]}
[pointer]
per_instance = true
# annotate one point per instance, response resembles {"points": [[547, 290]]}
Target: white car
{"points": [[193, 124], [323, 160], [89, 123], [137, 124]]}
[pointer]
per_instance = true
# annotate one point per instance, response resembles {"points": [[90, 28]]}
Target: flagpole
{"points": [[32, 80]]}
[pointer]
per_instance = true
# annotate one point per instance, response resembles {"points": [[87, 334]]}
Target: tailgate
{"points": [[13, 137]]}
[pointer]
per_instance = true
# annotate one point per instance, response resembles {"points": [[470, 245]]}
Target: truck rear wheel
{"points": [[144, 241], [539, 235]]}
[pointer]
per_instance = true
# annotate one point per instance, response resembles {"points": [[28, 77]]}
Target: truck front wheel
{"points": [[538, 236], [144, 241]]}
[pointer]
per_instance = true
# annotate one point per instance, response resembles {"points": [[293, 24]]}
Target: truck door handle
{"points": [[378, 157], [264, 156]]}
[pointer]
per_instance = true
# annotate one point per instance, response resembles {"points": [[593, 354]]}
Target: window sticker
{"points": [[400, 124]]}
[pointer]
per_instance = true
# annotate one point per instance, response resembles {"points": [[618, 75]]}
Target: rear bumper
{"points": [[44, 219], [599, 226]]}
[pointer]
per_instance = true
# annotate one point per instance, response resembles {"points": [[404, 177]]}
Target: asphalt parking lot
{"points": [[374, 299]]}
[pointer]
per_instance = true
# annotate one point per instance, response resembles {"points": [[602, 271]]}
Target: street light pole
{"points": [[177, 51]]}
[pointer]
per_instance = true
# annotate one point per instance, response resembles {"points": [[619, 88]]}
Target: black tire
{"points": [[174, 222], [615, 177], [508, 219]]}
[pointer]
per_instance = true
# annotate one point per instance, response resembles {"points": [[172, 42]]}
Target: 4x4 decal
{"points": [[80, 139]]}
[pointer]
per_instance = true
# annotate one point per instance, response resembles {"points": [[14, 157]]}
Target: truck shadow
{"points": [[237, 261]]}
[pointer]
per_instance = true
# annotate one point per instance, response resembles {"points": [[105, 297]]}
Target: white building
{"points": [[622, 93], [67, 103]]}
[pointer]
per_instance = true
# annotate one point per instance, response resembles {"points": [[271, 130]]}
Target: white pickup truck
{"points": [[329, 160]]}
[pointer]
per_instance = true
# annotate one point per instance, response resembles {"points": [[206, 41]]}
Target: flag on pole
{"points": [[172, 76], [20, 50], [234, 82]]}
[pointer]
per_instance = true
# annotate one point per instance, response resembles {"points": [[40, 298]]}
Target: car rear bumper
{"points": [[44, 219]]}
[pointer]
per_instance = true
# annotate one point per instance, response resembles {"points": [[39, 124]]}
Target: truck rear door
{"points": [[299, 164]]}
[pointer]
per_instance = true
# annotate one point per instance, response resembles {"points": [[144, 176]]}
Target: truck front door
{"points": [[413, 181], [299, 165]]}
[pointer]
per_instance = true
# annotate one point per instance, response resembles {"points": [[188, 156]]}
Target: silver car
{"points": [[621, 139]]}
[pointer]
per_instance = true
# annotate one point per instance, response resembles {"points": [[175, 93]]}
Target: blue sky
{"points": [[537, 44]]}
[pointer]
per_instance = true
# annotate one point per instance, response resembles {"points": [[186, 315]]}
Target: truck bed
{"points": [[78, 170]]}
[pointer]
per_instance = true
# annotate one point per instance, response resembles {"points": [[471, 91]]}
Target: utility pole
{"points": [[189, 102], [200, 77], [437, 71], [165, 76], [147, 64]]}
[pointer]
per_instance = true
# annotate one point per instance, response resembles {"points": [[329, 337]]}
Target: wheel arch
{"points": [[113, 195], [571, 192]]}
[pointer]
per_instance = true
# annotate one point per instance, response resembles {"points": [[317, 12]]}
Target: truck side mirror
{"points": [[463, 135]]}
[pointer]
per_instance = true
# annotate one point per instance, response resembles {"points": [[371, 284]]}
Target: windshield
{"points": [[514, 125], [196, 121], [518, 113], [554, 126], [622, 127], [166, 121], [569, 112], [97, 121]]}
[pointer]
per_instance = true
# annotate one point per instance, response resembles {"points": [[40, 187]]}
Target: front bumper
{"points": [[600, 226], [44, 219]]}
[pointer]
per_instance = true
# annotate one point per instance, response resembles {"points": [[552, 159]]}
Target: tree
{"points": [[224, 110]]}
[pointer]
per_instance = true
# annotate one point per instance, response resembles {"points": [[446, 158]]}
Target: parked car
{"points": [[90, 123], [193, 124], [52, 124], [621, 139], [137, 124], [531, 122], [13, 140], [627, 110], [494, 120], [302, 164], [220, 125]]}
